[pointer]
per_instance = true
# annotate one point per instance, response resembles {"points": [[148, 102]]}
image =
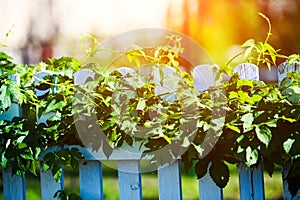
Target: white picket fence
{"points": [[251, 180]]}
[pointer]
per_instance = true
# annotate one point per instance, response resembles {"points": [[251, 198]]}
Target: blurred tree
{"points": [[220, 25], [285, 18], [40, 35]]}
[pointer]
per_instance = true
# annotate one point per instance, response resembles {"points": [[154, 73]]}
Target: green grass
{"points": [[273, 186]]}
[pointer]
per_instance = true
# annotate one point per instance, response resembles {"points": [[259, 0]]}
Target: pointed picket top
{"points": [[247, 71], [203, 77], [284, 68]]}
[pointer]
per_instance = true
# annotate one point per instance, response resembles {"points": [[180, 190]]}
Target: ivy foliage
{"points": [[239, 121]]}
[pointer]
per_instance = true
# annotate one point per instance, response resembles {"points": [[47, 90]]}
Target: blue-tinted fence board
{"points": [[49, 186], [251, 182], [90, 176], [286, 193], [208, 189], [13, 186], [203, 79], [39, 78], [130, 182], [169, 181], [283, 70], [13, 111], [250, 179]]}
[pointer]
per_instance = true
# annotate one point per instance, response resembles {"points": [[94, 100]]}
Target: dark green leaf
{"points": [[264, 134], [201, 167], [219, 172]]}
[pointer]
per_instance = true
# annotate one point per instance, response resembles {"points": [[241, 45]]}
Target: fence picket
{"points": [[251, 182], [49, 186], [90, 176], [247, 71], [209, 189], [130, 182], [283, 70], [39, 77], [13, 185], [169, 181], [203, 79], [251, 179]]}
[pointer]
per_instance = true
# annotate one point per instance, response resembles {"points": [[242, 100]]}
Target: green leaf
{"points": [[201, 168], [53, 105], [248, 120], [251, 156], [287, 145], [219, 172], [233, 95], [248, 43], [264, 134], [167, 138], [198, 148], [254, 99], [269, 166], [248, 52], [291, 120], [234, 128], [141, 104], [271, 123], [5, 98], [244, 82], [3, 161], [243, 96]]}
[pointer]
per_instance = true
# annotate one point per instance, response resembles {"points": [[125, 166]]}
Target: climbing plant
{"points": [[261, 124]]}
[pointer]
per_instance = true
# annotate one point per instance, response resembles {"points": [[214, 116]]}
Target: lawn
{"points": [[273, 186]]}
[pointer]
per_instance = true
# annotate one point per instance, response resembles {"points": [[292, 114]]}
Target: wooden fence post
{"points": [[283, 70], [48, 184], [130, 182], [169, 175], [169, 181], [90, 176], [13, 185], [203, 79], [251, 179], [90, 171]]}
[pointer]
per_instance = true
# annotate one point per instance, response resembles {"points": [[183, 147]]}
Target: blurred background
{"points": [[35, 30]]}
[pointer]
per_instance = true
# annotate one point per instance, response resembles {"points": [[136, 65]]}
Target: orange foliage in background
{"points": [[221, 26]]}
